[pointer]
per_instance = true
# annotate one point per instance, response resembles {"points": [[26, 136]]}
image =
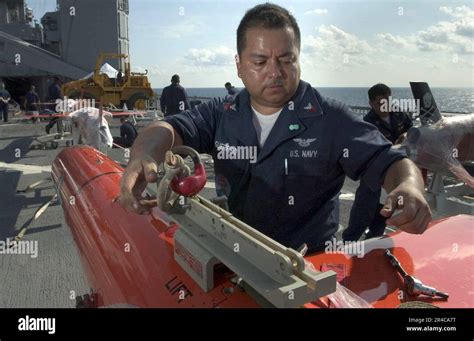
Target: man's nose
{"points": [[275, 68]]}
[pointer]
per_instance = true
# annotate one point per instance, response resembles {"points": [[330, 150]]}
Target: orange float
{"points": [[129, 261]]}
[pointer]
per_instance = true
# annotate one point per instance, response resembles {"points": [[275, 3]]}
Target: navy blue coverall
{"points": [[173, 100], [128, 134], [54, 93], [290, 192], [4, 106]]}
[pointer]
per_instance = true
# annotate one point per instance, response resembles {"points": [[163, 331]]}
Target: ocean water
{"points": [[457, 100]]}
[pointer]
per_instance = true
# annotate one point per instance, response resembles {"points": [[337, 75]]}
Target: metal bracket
{"points": [[452, 199], [209, 235]]}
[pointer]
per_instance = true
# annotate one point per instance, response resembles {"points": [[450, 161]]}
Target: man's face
{"points": [[269, 66], [380, 105]]}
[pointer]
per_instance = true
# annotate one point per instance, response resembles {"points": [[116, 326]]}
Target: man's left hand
{"points": [[415, 212], [401, 139]]}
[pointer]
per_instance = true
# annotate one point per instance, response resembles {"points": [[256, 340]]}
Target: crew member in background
{"points": [[366, 207], [128, 133], [174, 98], [231, 92], [4, 99], [54, 93], [32, 100], [119, 78]]}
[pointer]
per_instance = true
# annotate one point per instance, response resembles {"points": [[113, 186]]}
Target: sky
{"points": [[344, 43]]}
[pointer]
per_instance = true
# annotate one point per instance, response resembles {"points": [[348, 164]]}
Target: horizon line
{"points": [[336, 87]]}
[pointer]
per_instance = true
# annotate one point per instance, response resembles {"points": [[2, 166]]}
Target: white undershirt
{"points": [[263, 124]]}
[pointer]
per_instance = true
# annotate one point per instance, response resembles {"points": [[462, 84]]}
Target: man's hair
{"points": [[379, 90], [269, 16], [227, 84], [175, 79]]}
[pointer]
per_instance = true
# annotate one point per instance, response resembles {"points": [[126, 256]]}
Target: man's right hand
{"points": [[138, 174], [147, 153]]}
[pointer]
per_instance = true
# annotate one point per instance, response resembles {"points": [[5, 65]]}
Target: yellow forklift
{"points": [[130, 88]]}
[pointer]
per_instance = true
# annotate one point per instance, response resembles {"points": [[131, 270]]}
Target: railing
{"points": [[361, 110]]}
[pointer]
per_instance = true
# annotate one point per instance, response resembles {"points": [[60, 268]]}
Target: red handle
{"points": [[193, 184]]}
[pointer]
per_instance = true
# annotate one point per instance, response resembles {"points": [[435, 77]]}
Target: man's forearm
{"points": [[403, 171], [155, 140]]}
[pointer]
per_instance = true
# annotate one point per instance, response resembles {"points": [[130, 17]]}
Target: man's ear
{"points": [[237, 63]]}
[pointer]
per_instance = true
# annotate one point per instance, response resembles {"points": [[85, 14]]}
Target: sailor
{"points": [[283, 149], [32, 100], [128, 133], [393, 124], [231, 91], [54, 94], [174, 98], [119, 78], [4, 99]]}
